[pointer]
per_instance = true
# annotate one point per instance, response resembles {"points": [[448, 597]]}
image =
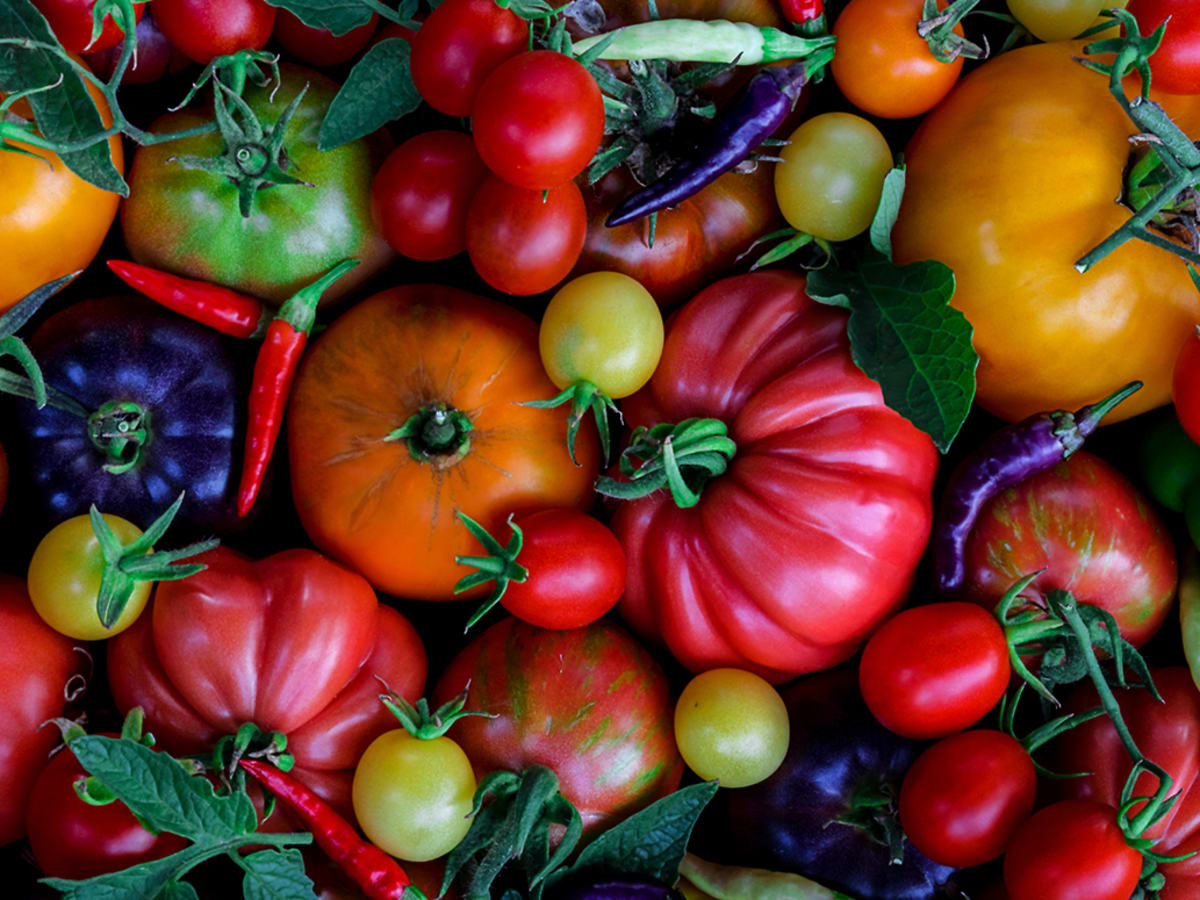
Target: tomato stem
{"points": [[423, 724], [681, 457], [937, 28], [500, 565], [584, 397], [435, 432]]}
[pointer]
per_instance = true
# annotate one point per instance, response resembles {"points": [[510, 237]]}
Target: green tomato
{"points": [[603, 327], [731, 725], [412, 796], [64, 579], [831, 177], [1057, 20]]}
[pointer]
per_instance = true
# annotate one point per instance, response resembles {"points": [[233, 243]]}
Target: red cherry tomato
{"points": [[1071, 850], [538, 119], [520, 242], [421, 194], [317, 46], [71, 21], [206, 29], [456, 48], [1185, 386], [963, 798], [1175, 66], [933, 670]]}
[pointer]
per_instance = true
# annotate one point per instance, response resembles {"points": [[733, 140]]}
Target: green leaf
{"points": [[276, 875], [335, 16], [889, 209], [906, 336], [379, 90], [138, 882], [64, 113], [178, 890]]}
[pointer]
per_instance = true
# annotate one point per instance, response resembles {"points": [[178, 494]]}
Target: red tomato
{"points": [[74, 839], [319, 47], [292, 643], [1096, 535], [420, 195], [206, 29], [521, 243], [933, 670], [456, 48], [1175, 66], [538, 119], [589, 703], [35, 664], [963, 798], [810, 538], [1071, 850], [71, 21], [1185, 386]]}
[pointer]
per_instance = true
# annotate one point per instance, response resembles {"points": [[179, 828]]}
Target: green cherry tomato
{"points": [[64, 579], [412, 796], [731, 725], [1056, 20], [831, 177], [603, 327]]}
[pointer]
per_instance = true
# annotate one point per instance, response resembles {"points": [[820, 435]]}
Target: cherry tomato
{"points": [[831, 177], [883, 66], [1175, 67], [456, 48], [605, 328], [963, 798], [206, 29], [520, 242], [421, 194], [1056, 20], [319, 47], [1185, 386], [538, 119], [71, 21], [153, 58], [412, 796], [64, 579], [1071, 850], [731, 725], [932, 670]]}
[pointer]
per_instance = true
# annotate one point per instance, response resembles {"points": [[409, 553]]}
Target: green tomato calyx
{"points": [[120, 430], [583, 397], [436, 433], [500, 565], [680, 457], [423, 724]]}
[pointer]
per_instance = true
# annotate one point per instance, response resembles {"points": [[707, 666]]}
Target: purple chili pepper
{"points": [[742, 124], [622, 888], [1011, 455]]}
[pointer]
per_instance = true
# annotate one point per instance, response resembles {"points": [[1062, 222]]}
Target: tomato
{"points": [[1056, 20], [294, 643], [1185, 386], [72, 24], [831, 177], [521, 242], [413, 797], [1056, 145], [3, 477], [206, 29], [589, 703], [1175, 67], [74, 839], [809, 539], [731, 725], [457, 46], [883, 66], [421, 193], [1094, 534], [153, 58], [1071, 850], [455, 366], [35, 665], [319, 47], [933, 670], [538, 119], [188, 221], [605, 328], [64, 579], [963, 798]]}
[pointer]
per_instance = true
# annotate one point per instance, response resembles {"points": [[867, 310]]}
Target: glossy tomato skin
{"points": [[1093, 532], [205, 29], [319, 47], [883, 66], [188, 222], [293, 643], [777, 570], [379, 364], [35, 664], [1013, 237], [590, 703], [72, 24], [1072, 850], [1175, 66], [155, 56], [1185, 386], [74, 839], [458, 45]]}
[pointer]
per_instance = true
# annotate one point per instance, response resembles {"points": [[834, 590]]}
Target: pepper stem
{"points": [[584, 397], [500, 565], [1072, 428], [681, 457], [436, 431], [300, 310], [420, 722]]}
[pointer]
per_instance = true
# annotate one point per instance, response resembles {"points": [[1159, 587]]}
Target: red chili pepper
{"points": [[218, 307], [808, 14], [378, 875], [274, 371]]}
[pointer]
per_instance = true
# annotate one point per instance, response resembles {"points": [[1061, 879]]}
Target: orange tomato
{"points": [[384, 503]]}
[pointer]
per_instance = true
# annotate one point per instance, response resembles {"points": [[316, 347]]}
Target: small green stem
{"points": [[435, 432]]}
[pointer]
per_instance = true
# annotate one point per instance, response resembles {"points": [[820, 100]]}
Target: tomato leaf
{"points": [[335, 16], [275, 875], [150, 879], [906, 336], [178, 890], [888, 210], [62, 107], [379, 90]]}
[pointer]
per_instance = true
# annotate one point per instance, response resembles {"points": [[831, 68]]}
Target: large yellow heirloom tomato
{"points": [[1014, 177]]}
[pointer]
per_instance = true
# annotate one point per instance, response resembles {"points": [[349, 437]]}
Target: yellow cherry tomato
{"points": [[1056, 20]]}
